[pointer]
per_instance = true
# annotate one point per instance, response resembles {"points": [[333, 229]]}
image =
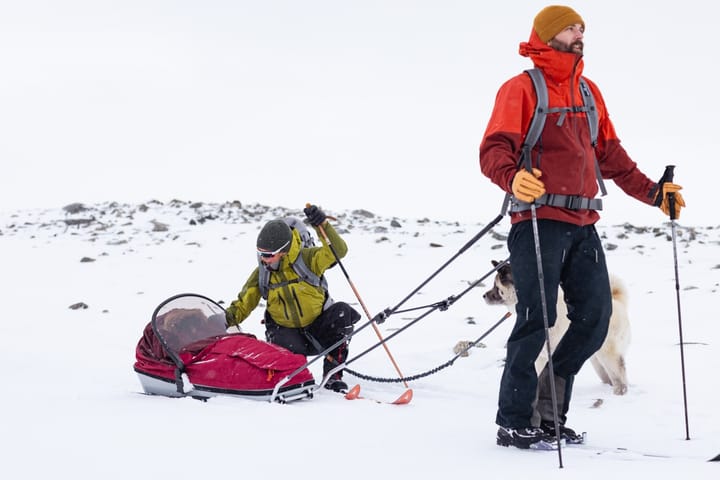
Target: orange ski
{"points": [[404, 399]]}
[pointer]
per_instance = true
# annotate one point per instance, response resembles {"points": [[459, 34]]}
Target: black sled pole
{"points": [[443, 305], [382, 316], [668, 178], [275, 396]]}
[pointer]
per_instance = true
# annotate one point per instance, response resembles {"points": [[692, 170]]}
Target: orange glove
{"points": [[679, 201], [526, 187]]}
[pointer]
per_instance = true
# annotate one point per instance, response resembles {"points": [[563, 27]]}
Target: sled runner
{"points": [[185, 351]]}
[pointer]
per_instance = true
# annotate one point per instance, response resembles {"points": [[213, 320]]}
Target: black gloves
{"points": [[315, 216]]}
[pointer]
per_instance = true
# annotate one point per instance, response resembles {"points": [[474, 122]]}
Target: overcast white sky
{"points": [[348, 104]]}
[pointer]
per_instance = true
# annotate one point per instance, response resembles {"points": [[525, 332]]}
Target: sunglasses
{"points": [[266, 254]]}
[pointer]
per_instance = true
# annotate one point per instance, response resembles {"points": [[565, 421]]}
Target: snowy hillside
{"points": [[81, 283]]}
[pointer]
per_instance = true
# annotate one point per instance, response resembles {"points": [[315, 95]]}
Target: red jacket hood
{"points": [[557, 66]]}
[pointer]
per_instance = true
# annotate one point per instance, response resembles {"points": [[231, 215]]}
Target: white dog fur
{"points": [[609, 360]]}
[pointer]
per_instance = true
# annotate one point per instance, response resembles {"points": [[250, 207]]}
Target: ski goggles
{"points": [[267, 254]]}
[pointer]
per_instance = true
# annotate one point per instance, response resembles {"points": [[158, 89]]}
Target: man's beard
{"points": [[575, 47]]}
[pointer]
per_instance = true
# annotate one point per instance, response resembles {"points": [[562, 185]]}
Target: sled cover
{"points": [[187, 335]]}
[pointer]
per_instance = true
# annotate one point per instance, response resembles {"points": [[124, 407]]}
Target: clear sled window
{"points": [[185, 319]]}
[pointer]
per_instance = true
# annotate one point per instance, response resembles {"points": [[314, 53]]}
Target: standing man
{"points": [[300, 315], [559, 174]]}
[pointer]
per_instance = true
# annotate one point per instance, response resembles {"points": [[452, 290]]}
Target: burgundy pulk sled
{"points": [[185, 351]]}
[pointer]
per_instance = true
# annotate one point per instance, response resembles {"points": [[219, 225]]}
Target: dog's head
{"points": [[503, 290]]}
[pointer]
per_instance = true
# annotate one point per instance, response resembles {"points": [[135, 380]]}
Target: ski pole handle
{"points": [[668, 174], [667, 177]]}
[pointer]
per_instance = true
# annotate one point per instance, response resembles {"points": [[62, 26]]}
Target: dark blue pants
{"points": [[572, 259]]}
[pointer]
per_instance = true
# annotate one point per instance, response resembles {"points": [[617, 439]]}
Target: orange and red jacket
{"points": [[563, 153]]}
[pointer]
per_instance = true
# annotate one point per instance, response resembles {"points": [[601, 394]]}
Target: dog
{"points": [[609, 360]]}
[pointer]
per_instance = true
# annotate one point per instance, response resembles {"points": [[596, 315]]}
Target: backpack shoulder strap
{"points": [[590, 110], [537, 123], [307, 275], [538, 120], [300, 268], [594, 124], [263, 280]]}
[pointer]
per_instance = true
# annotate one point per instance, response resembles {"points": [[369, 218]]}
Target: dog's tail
{"points": [[619, 292]]}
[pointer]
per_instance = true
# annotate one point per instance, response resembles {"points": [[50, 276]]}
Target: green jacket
{"points": [[296, 304]]}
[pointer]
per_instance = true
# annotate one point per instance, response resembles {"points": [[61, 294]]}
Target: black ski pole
{"points": [[668, 178], [543, 301]]}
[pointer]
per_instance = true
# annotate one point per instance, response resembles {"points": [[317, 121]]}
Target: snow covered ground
{"points": [[71, 405]]}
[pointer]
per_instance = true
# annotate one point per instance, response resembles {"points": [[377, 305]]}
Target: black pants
{"points": [[331, 326], [573, 259]]}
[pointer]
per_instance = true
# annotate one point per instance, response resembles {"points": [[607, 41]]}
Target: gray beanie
{"points": [[274, 235]]}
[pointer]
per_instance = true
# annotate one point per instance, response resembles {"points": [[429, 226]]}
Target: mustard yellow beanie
{"points": [[553, 19]]}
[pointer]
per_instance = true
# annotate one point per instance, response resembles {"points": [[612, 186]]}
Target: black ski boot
{"points": [[567, 434], [336, 384], [526, 438]]}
